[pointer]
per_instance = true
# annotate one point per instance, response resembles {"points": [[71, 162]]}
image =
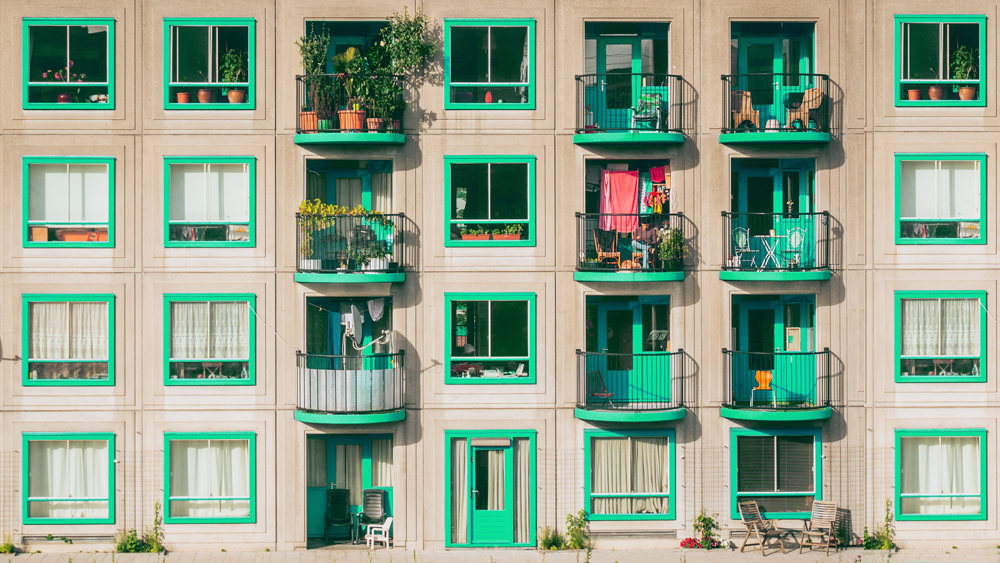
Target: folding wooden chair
{"points": [[760, 528], [606, 245], [821, 523]]}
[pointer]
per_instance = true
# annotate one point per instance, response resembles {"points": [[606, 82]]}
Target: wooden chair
{"points": [[812, 99], [764, 384], [743, 111], [606, 245], [821, 523], [760, 528], [338, 511], [596, 389]]}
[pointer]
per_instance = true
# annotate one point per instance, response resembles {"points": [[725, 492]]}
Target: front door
{"points": [[776, 332], [618, 65], [777, 61], [632, 372], [782, 200], [492, 495]]}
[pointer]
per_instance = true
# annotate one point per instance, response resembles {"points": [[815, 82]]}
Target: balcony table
{"points": [[770, 243]]}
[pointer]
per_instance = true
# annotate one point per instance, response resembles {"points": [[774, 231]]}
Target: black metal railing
{"points": [[350, 243], [349, 384], [775, 102], [630, 382], [647, 242], [784, 242], [777, 380], [620, 102], [335, 103]]}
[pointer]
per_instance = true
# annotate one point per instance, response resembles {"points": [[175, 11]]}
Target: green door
{"points": [[619, 64], [782, 202], [492, 495], [779, 332], [631, 371], [778, 89]]}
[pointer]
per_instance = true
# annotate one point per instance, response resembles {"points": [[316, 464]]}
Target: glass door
{"points": [[619, 63], [492, 495]]}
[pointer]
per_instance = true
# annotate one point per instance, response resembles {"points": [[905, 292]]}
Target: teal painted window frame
{"points": [[928, 157], [25, 50], [494, 22], [898, 22], [250, 437], [529, 160], [251, 164], [941, 433], [251, 300], [26, 300], [588, 437], [468, 435], [26, 163], [450, 298], [898, 329], [28, 437], [251, 99], [817, 435]]}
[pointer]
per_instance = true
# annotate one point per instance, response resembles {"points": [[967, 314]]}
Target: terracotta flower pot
{"points": [[375, 123], [476, 237], [236, 96], [64, 99], [394, 125], [935, 92], [507, 237], [352, 120], [183, 97], [913, 95], [967, 93], [307, 121], [206, 95]]}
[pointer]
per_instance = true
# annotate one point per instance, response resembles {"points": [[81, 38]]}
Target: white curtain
{"points": [[382, 463], [940, 327], [77, 470], [495, 480], [349, 192], [939, 190], [68, 331], [316, 462], [188, 330], [229, 330], [201, 471], [382, 192], [522, 490], [209, 192], [650, 474], [349, 470], [960, 327], [610, 474], [920, 322], [68, 192], [200, 330], [459, 491], [940, 466]]}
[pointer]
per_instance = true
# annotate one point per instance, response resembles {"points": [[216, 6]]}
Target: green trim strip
{"points": [[983, 472], [529, 160], [775, 137], [588, 496], [629, 138], [251, 98], [898, 297], [368, 418], [26, 163], [350, 139], [28, 437], [731, 275], [625, 276], [791, 415], [630, 416], [251, 164], [505, 22], [532, 358], [25, 65], [29, 298], [932, 157], [817, 492], [395, 277], [900, 19], [251, 300], [250, 437]]}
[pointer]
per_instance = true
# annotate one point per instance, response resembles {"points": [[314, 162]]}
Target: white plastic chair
{"points": [[379, 533]]}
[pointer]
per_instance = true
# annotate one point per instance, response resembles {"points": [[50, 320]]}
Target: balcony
{"points": [[349, 389], [643, 387], [349, 109], [776, 246], [628, 108], [778, 386], [775, 108], [607, 253], [350, 248]]}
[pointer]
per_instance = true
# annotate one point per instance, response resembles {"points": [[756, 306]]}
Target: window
{"points": [[211, 63], [68, 63], [68, 339], [68, 478], [491, 200], [489, 64], [940, 198], [940, 474], [210, 478], [68, 201], [209, 201], [779, 469], [491, 337], [210, 339], [940, 336], [629, 475], [938, 60]]}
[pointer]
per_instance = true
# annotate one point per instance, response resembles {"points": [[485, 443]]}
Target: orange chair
{"points": [[764, 384]]}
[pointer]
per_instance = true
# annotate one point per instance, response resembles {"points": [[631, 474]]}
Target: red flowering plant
{"points": [[706, 528], [67, 76]]}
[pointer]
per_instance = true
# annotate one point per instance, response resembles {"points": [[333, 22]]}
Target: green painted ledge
{"points": [[629, 138], [302, 277], [623, 276], [350, 138], [791, 415], [785, 275], [775, 137], [631, 416], [372, 418]]}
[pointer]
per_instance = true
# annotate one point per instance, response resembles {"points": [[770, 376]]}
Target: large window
{"points": [[209, 339], [491, 200], [940, 199], [779, 469], [940, 336], [68, 63], [68, 478], [210, 478], [489, 64], [68, 201], [940, 474], [938, 60], [209, 63], [209, 201], [629, 475], [491, 337], [68, 339]]}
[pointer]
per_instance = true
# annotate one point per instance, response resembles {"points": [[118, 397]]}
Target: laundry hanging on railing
{"points": [[619, 194]]}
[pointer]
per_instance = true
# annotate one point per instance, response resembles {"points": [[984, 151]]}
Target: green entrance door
{"points": [[776, 332], [619, 62], [778, 200], [492, 495], [776, 61], [637, 368]]}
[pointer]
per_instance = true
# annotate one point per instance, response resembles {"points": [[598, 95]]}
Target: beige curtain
{"points": [[316, 462], [940, 465], [229, 330], [68, 331], [349, 192], [382, 463], [459, 491], [349, 470], [382, 192], [522, 491], [609, 467], [315, 185], [495, 476], [650, 474]]}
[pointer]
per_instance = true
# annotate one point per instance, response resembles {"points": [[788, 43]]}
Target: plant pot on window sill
{"points": [[394, 125], [183, 97], [507, 237], [63, 99], [352, 120], [310, 264], [913, 95], [935, 92], [206, 95], [967, 93], [375, 123], [307, 121], [236, 96], [475, 237], [325, 124]]}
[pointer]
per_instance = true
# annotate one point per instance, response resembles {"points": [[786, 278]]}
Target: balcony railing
{"points": [[338, 103], [350, 243], [775, 102], [349, 384], [798, 380], [769, 242], [622, 102], [612, 242], [630, 382]]}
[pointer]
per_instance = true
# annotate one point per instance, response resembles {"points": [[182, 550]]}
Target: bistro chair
{"points": [[764, 384], [818, 530], [761, 529], [795, 245], [741, 247]]}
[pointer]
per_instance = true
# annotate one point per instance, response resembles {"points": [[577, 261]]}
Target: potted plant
{"points": [[307, 120], [964, 66], [935, 92], [672, 249], [511, 231], [913, 94], [475, 233], [183, 97], [345, 65], [206, 95], [65, 76], [234, 69], [312, 56]]}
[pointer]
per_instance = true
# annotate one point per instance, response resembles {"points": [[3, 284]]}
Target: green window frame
{"points": [[250, 225], [251, 438], [28, 379], [945, 378], [27, 438], [453, 224], [530, 359], [923, 222], [28, 85], [901, 22], [210, 298], [901, 434], [449, 85], [590, 496], [214, 82], [94, 226], [735, 493]]}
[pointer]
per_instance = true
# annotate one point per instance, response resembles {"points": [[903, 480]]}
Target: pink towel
{"points": [[619, 194], [658, 175]]}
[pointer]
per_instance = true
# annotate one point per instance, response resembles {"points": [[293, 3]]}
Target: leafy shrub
{"points": [[150, 542], [707, 529], [882, 538], [577, 530], [551, 538]]}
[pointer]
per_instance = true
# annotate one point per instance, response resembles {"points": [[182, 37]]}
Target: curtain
{"points": [[382, 463], [960, 327], [73, 469], [203, 470], [650, 474], [522, 490], [88, 332], [81, 336], [495, 479], [939, 190], [349, 470], [188, 193], [229, 193], [315, 185], [188, 330], [229, 330], [382, 192], [349, 192], [68, 192], [959, 189], [934, 466], [609, 467], [945, 327], [49, 337], [920, 327], [316, 462], [459, 491], [384, 323]]}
